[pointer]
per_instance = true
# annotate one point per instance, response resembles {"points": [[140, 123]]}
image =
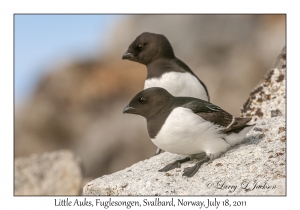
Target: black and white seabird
{"points": [[187, 126], [163, 68]]}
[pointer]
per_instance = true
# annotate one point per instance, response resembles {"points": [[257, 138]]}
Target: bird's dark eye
{"points": [[142, 100], [140, 46]]}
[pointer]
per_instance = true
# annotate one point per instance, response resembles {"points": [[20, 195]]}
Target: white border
{"points": [[8, 8]]}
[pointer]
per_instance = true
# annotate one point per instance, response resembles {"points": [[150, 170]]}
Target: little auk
{"points": [[163, 68], [187, 126]]}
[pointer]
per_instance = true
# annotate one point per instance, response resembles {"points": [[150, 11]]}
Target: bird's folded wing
{"points": [[210, 112], [216, 115]]}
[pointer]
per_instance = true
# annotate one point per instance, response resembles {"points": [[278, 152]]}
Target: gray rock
{"points": [[55, 173], [260, 159], [268, 97]]}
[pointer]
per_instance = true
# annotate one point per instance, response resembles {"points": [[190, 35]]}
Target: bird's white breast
{"points": [[179, 84], [187, 133]]}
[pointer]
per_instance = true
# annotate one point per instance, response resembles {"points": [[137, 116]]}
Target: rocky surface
{"points": [[56, 173], [255, 167], [268, 97]]}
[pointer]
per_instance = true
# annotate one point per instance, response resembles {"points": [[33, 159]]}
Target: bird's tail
{"points": [[237, 135]]}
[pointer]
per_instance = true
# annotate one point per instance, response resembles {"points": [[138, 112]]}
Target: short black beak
{"points": [[127, 55], [127, 109]]}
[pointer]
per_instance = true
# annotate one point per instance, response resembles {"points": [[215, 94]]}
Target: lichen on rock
{"points": [[268, 97]]}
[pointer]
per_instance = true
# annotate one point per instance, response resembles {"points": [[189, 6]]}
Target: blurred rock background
{"points": [[78, 106]]}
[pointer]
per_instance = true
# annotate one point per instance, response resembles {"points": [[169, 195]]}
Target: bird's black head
{"points": [[149, 102], [148, 47]]}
